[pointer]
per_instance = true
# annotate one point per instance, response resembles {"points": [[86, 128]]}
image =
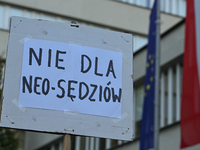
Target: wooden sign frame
{"points": [[43, 120]]}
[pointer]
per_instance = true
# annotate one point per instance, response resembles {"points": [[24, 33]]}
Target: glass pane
{"points": [[139, 99], [102, 143], [183, 8], [134, 49], [131, 1], [139, 42], [36, 16], [143, 3], [15, 12], [162, 5], [64, 20], [57, 146], [27, 14], [48, 17], [174, 7], [82, 145], [114, 143], [139, 93], [72, 142]]}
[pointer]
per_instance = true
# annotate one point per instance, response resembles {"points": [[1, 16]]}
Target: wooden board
{"points": [[69, 122]]}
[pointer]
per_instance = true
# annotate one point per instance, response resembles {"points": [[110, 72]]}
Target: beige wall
{"points": [[169, 139], [172, 46], [108, 13]]}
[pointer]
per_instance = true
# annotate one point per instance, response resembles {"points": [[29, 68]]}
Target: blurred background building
{"points": [[130, 16]]}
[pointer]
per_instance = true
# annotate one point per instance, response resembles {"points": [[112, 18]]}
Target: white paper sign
{"points": [[68, 77]]}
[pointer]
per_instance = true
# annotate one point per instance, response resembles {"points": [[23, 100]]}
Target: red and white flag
{"points": [[190, 107]]}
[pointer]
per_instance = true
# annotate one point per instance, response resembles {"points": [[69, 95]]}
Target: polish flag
{"points": [[190, 107]]}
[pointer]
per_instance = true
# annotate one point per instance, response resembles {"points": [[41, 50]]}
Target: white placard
{"points": [[68, 77]]}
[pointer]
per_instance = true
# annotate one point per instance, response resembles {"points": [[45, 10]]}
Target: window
{"points": [[175, 7], [139, 99], [138, 42], [170, 95]]}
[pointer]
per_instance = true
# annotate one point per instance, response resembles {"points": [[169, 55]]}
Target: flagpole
{"points": [[157, 79]]}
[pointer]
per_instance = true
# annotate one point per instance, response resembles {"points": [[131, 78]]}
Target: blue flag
{"points": [[147, 124]]}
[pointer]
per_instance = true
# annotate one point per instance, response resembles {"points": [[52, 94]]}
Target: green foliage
{"points": [[8, 140]]}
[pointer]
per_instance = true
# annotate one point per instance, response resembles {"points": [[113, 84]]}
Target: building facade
{"points": [[130, 16]]}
